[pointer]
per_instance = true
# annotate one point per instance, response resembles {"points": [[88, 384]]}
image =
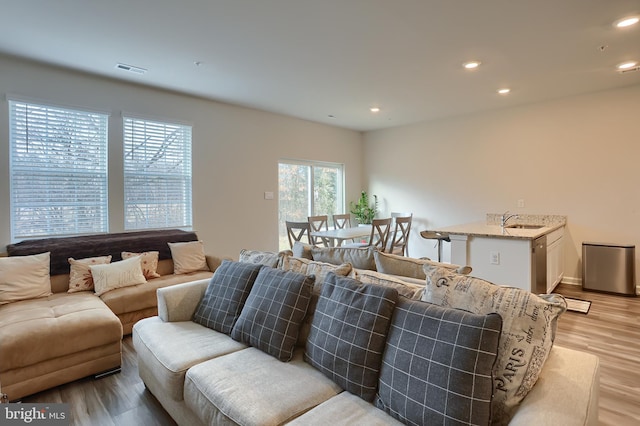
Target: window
{"points": [[157, 174], [58, 171], [308, 189]]}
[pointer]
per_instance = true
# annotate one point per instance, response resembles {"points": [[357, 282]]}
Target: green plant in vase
{"points": [[363, 210]]}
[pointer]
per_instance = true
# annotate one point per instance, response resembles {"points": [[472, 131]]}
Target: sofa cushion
{"points": [[24, 277], [169, 349], [312, 267], [80, 278], [249, 387], [302, 250], [345, 409], [143, 296], [225, 295], [348, 333], [409, 267], [267, 258], [437, 366], [361, 258], [404, 288], [148, 261], [80, 320], [271, 317], [188, 257], [107, 277], [529, 323]]}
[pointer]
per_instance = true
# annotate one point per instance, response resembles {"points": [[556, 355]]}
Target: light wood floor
{"points": [[610, 330]]}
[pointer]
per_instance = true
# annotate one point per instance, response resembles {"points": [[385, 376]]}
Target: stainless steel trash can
{"points": [[609, 268]]}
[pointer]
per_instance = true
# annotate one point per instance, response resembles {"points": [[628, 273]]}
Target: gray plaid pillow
{"points": [[438, 364], [275, 308], [225, 295], [349, 331]]}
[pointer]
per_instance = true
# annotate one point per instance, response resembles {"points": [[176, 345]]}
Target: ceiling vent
{"points": [[131, 68]]}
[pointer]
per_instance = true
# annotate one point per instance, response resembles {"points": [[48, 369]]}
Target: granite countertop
{"points": [[491, 227]]}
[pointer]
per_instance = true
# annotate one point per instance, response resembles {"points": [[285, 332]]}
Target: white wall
{"points": [[235, 151], [575, 156]]}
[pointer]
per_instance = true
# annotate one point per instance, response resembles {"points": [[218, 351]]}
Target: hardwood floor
{"points": [[116, 400], [611, 330]]}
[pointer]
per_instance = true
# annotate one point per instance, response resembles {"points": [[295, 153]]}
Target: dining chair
{"points": [[341, 221], [297, 230], [379, 235], [319, 223], [399, 238]]}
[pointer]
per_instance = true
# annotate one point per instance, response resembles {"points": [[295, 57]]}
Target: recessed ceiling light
{"points": [[471, 65], [504, 91], [374, 109], [626, 65], [627, 21]]}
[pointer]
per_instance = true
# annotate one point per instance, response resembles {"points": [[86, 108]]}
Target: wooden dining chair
{"points": [[297, 230], [399, 238], [319, 223], [379, 235], [341, 221]]}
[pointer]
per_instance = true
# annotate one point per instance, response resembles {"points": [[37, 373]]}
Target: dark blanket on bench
{"points": [[100, 245]]}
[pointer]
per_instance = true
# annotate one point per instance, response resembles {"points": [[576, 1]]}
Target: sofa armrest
{"points": [[179, 302], [566, 392]]}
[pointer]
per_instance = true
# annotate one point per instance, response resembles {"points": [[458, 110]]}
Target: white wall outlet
{"points": [[520, 203], [268, 195], [494, 257]]}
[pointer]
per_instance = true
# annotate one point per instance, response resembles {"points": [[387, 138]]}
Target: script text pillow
{"points": [[80, 278], [271, 317], [349, 331], [24, 277], [188, 257], [148, 260], [528, 329], [437, 366], [266, 258], [118, 274], [225, 295]]}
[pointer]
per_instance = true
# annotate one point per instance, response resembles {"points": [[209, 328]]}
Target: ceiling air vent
{"points": [[131, 68]]}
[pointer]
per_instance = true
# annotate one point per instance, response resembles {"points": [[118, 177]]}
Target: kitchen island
{"points": [[527, 252]]}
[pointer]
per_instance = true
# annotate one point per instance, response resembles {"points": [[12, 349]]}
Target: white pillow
{"points": [[117, 274], [24, 277], [188, 257]]}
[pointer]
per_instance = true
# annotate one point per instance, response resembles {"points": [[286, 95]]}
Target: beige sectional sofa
{"points": [[203, 376], [50, 340]]}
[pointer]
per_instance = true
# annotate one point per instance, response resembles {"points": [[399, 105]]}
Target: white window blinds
{"points": [[58, 171], [157, 174]]}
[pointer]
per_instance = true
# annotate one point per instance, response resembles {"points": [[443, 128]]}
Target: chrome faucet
{"points": [[505, 217]]}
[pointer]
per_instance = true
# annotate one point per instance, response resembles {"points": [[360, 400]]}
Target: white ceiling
{"points": [[315, 58]]}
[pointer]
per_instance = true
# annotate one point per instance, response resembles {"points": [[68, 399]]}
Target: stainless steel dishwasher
{"points": [[609, 268], [539, 265]]}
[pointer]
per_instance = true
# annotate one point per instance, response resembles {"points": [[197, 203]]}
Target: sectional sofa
{"points": [[283, 339], [64, 333]]}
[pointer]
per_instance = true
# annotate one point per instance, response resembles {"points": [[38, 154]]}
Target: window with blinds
{"points": [[58, 171], [157, 174]]}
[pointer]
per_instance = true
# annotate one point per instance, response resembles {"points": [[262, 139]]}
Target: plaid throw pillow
{"points": [[275, 308], [437, 366], [225, 295], [348, 333]]}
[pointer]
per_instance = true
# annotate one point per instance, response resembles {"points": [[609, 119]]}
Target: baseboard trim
{"points": [[571, 281]]}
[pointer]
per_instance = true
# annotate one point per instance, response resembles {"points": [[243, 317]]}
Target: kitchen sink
{"points": [[519, 226]]}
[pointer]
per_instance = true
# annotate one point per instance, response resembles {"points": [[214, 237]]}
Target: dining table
{"points": [[335, 237]]}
